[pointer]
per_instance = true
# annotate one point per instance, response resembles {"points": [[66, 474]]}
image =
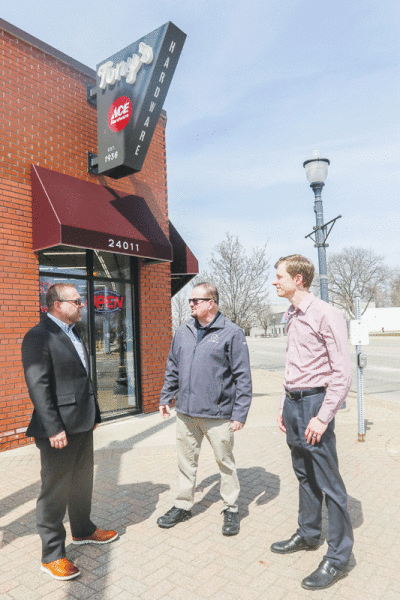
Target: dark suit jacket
{"points": [[59, 387]]}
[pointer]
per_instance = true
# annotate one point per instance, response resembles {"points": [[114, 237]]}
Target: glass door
{"points": [[105, 283], [114, 347]]}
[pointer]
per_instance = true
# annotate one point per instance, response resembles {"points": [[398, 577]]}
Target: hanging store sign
{"points": [[131, 87]]}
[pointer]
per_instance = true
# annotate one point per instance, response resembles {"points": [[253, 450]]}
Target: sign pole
{"points": [[360, 380], [359, 336]]}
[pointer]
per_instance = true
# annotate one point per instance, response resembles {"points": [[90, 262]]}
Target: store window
{"points": [[63, 259], [106, 283], [111, 266]]}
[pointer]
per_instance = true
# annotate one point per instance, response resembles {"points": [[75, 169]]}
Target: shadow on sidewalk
{"points": [[119, 506], [356, 516], [115, 506], [256, 484], [22, 525], [355, 510], [106, 476]]}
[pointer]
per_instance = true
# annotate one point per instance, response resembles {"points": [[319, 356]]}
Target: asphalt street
{"points": [[381, 376]]}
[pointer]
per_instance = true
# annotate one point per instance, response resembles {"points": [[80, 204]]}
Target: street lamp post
{"points": [[317, 172]]}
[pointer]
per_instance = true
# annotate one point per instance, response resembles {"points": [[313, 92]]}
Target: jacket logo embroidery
{"points": [[213, 338]]}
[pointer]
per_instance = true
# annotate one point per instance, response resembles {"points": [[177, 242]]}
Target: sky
{"points": [[259, 86]]}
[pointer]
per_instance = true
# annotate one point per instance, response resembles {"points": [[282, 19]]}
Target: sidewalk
{"points": [[134, 480]]}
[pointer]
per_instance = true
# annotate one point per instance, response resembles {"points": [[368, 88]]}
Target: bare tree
{"points": [[395, 295], [180, 308], [264, 314], [383, 297], [240, 278], [355, 271]]}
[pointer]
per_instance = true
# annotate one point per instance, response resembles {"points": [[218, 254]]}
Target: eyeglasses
{"points": [[197, 300], [78, 301]]}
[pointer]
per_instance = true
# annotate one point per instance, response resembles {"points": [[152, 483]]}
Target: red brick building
{"points": [[51, 210]]}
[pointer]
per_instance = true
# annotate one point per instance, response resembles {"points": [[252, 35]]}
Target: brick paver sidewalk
{"points": [[135, 473]]}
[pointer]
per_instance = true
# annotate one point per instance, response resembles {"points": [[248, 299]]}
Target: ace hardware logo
{"points": [[119, 113]]}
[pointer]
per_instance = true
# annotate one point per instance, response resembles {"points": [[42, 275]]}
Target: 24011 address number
{"points": [[112, 243]]}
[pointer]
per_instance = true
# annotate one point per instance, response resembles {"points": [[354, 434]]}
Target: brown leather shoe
{"points": [[100, 536], [61, 569]]}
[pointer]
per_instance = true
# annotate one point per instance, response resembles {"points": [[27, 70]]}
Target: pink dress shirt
{"points": [[318, 353]]}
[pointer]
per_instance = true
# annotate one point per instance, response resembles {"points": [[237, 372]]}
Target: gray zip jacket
{"points": [[210, 378]]}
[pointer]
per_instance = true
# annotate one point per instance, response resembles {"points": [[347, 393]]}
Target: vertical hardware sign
{"points": [[131, 88]]}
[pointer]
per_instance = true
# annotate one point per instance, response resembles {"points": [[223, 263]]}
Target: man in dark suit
{"points": [[65, 414]]}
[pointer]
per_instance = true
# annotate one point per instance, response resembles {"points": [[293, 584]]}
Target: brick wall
{"points": [[155, 307], [46, 120]]}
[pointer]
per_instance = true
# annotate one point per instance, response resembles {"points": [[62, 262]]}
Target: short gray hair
{"points": [[210, 290]]}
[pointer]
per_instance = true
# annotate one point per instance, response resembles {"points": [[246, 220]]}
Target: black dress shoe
{"points": [[172, 517], [295, 544], [231, 523], [325, 576]]}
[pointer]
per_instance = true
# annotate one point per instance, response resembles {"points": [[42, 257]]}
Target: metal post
{"points": [[360, 380], [320, 236]]}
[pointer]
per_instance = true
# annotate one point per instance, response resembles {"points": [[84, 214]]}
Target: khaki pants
{"points": [[189, 436]]}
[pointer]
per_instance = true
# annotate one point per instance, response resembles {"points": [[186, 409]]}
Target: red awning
{"points": [[73, 212], [185, 265]]}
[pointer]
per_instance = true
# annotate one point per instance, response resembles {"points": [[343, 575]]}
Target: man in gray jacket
{"points": [[208, 373]]}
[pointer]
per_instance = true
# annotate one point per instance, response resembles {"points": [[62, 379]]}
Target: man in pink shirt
{"points": [[317, 380]]}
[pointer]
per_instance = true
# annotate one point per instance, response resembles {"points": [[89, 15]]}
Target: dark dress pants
{"points": [[67, 482], [316, 467]]}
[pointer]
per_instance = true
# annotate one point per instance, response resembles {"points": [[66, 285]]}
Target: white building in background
{"points": [[379, 320], [277, 326], [382, 319]]}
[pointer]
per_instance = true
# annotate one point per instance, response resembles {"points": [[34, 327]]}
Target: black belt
{"points": [[296, 395]]}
